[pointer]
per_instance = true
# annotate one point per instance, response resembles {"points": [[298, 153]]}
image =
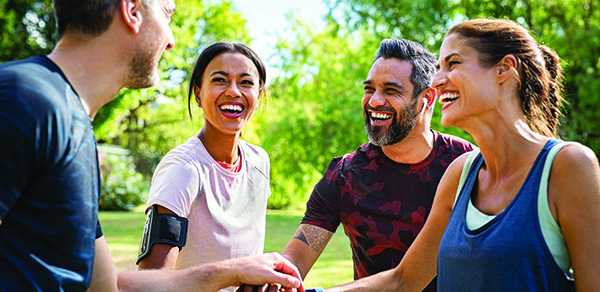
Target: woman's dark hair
{"points": [[215, 50], [539, 71]]}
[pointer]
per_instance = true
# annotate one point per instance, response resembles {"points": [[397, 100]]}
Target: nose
{"points": [[233, 90], [439, 80], [170, 40], [377, 99]]}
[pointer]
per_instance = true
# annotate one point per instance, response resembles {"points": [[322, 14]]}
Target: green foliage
{"points": [[567, 26], [571, 28], [153, 121], [123, 187], [422, 21], [150, 122], [27, 28], [315, 113], [314, 109]]}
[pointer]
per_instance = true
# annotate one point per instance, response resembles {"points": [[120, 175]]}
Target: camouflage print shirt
{"points": [[382, 204]]}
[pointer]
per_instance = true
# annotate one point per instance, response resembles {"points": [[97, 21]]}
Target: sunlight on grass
{"points": [[123, 231]]}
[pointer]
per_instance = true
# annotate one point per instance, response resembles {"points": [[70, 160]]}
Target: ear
{"points": [[429, 96], [131, 14], [506, 68], [197, 95]]}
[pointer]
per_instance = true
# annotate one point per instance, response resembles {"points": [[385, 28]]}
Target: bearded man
{"points": [[382, 193]]}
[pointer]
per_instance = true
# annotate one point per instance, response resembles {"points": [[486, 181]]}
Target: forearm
{"points": [[295, 256], [257, 270], [209, 277], [384, 281], [306, 246]]}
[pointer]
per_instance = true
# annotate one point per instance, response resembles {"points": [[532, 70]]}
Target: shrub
{"points": [[123, 188]]}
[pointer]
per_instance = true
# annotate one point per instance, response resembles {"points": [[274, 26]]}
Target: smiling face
{"points": [[388, 104], [465, 87], [229, 93]]}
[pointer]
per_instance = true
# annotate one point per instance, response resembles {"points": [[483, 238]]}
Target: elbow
{"points": [[401, 281]]}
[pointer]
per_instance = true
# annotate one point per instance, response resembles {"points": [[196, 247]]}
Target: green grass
{"points": [[123, 231]]}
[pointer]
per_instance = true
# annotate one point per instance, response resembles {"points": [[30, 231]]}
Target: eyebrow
{"points": [[219, 72], [437, 66], [389, 83], [395, 84], [227, 74]]}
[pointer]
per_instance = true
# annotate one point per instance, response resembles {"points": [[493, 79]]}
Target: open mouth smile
{"points": [[448, 98], [378, 118], [231, 110]]}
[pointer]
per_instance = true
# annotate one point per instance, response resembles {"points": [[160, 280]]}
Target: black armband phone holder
{"points": [[162, 228]]}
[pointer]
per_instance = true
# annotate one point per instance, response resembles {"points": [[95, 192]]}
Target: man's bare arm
{"points": [[306, 246]]}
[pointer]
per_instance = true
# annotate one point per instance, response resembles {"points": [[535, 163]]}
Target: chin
{"points": [[143, 72], [144, 81], [446, 121], [153, 80]]}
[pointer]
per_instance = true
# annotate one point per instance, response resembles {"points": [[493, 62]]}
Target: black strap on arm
{"points": [[162, 228]]}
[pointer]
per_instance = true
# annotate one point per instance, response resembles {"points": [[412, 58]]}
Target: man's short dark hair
{"points": [[91, 17], [422, 60]]}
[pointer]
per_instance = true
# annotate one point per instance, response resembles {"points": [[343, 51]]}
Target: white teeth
{"points": [[381, 116], [448, 97], [231, 107]]}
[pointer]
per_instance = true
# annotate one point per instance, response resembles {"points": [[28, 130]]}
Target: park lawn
{"points": [[123, 231]]}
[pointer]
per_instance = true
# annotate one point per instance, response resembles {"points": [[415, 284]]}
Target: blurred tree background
{"points": [[312, 111]]}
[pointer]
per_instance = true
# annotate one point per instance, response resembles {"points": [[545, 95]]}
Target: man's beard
{"points": [[142, 69], [402, 124]]}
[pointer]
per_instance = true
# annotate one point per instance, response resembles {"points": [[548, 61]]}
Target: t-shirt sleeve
{"points": [[174, 186], [323, 206], [99, 232], [20, 147]]}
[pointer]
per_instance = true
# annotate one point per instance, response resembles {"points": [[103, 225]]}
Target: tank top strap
{"points": [[467, 178]]}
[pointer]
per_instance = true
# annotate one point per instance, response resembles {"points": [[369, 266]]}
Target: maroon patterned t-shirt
{"points": [[382, 204]]}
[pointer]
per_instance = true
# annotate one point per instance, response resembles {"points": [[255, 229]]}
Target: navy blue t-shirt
{"points": [[49, 182]]}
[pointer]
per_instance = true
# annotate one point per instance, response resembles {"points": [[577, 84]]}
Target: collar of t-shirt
{"points": [[235, 167]]}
